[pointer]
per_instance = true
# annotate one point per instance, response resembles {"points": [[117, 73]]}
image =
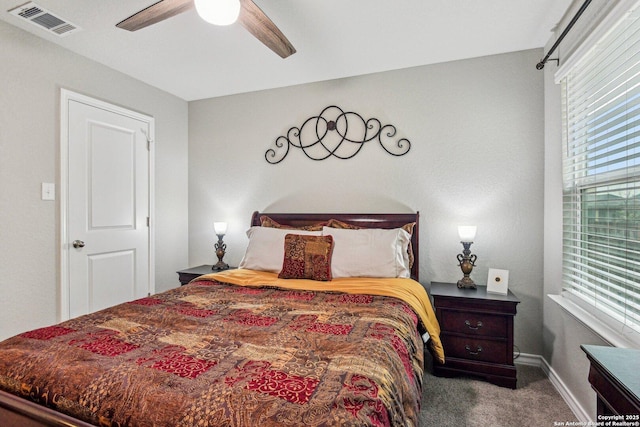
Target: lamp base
{"points": [[466, 283], [220, 266]]}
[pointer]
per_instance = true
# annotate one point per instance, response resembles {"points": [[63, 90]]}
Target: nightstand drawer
{"points": [[475, 349], [470, 323]]}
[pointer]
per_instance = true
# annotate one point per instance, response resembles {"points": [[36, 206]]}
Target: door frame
{"points": [[67, 96]]}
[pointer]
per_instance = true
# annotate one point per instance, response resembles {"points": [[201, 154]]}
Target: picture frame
{"points": [[498, 281]]}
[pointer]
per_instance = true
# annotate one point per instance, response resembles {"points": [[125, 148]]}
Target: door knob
{"points": [[78, 244]]}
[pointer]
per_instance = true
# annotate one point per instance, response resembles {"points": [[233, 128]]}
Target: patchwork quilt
{"points": [[213, 353]]}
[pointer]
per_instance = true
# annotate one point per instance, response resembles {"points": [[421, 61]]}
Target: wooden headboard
{"points": [[394, 220]]}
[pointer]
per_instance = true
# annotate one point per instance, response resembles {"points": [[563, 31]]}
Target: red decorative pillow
{"points": [[307, 257]]}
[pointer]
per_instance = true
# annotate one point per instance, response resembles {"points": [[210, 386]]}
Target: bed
{"points": [[305, 345]]}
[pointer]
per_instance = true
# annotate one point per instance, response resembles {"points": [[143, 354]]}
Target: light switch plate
{"points": [[48, 191]]}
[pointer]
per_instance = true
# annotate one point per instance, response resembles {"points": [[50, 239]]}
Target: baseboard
{"points": [[529, 360], [560, 386]]}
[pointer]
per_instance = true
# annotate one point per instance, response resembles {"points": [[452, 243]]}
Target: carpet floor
{"points": [[471, 402]]}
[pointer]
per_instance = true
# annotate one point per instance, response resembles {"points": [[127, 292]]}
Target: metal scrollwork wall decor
{"points": [[336, 133]]}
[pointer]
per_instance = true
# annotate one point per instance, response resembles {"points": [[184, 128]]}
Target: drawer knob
{"points": [[477, 351], [476, 327]]}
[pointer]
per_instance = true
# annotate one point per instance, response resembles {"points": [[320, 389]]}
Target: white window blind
{"points": [[601, 174]]}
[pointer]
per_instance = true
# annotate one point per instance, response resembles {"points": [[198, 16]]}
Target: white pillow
{"points": [[265, 251], [369, 252]]}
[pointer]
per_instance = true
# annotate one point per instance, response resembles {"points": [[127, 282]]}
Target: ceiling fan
{"points": [[251, 17]]}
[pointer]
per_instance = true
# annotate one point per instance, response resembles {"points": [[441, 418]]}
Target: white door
{"points": [[106, 187]]}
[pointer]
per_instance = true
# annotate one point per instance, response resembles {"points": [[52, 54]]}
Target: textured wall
{"points": [[33, 71], [476, 128]]}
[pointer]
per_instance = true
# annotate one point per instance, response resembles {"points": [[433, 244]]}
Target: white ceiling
{"points": [[333, 38]]}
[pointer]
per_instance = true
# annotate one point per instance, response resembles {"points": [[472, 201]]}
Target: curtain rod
{"points": [[540, 65]]}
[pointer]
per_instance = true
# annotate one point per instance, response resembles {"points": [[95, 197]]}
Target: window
{"points": [[601, 175]]}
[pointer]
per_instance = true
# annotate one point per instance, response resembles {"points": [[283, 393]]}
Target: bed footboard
{"points": [[18, 412]]}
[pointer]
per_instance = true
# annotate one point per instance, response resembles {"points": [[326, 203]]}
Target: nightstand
{"points": [[187, 275], [476, 330]]}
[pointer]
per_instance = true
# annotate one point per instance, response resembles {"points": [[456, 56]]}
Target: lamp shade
{"points": [[467, 232], [220, 228], [218, 12]]}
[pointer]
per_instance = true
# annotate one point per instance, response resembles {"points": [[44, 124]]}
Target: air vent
{"points": [[44, 19]]}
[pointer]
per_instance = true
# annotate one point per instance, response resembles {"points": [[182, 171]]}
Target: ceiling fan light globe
{"points": [[218, 12]]}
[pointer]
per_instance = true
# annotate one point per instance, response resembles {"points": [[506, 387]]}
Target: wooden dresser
{"points": [[476, 329], [614, 375]]}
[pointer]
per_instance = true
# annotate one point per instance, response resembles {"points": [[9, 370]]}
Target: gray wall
{"points": [[32, 71], [476, 128]]}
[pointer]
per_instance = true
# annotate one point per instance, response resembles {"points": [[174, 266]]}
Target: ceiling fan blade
{"points": [[155, 13], [257, 23]]}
